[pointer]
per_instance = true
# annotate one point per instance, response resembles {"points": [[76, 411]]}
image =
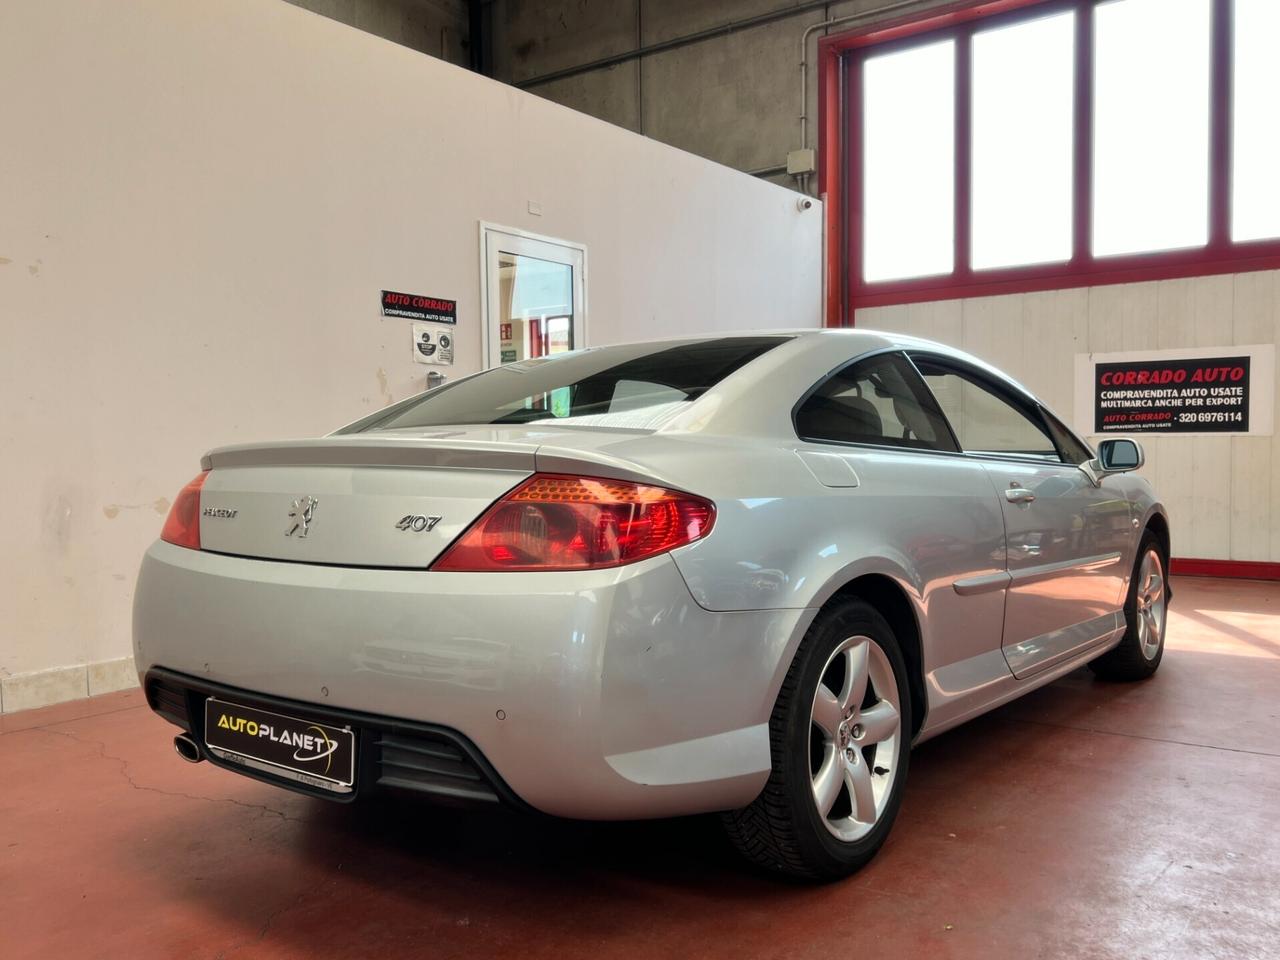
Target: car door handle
{"points": [[1019, 495]]}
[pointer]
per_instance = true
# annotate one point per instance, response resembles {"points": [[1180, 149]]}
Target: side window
{"points": [[1073, 451], [880, 400], [984, 421]]}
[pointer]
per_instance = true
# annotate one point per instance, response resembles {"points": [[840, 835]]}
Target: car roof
{"points": [[853, 341]]}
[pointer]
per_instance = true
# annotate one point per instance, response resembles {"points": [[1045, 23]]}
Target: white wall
{"points": [[199, 202], [1223, 493]]}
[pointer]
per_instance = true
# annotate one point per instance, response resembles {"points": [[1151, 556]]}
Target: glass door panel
{"points": [[534, 297]]}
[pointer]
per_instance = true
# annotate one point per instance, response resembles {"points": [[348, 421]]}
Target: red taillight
{"points": [[553, 522], [182, 526]]}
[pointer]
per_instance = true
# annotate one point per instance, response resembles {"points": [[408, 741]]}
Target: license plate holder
{"points": [[316, 754]]}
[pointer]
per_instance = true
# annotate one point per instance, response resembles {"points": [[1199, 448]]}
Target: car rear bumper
{"points": [[603, 694], [391, 753]]}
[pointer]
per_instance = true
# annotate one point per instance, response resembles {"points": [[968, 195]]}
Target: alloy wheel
{"points": [[1151, 604], [855, 733]]}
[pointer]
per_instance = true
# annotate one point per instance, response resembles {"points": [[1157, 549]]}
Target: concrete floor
{"points": [[1087, 820]]}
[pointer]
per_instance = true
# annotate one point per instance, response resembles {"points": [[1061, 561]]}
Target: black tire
{"points": [[1128, 661], [782, 830]]}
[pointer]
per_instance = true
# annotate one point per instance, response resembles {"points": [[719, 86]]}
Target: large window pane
{"points": [[1151, 126], [909, 163], [1256, 180], [1023, 99]]}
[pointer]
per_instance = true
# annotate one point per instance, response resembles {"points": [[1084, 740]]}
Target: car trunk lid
{"points": [[394, 498], [354, 501]]}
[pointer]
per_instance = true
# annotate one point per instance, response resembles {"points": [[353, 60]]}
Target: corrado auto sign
{"points": [[1229, 390], [1176, 396]]}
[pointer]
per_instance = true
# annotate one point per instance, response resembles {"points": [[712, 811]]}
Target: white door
{"points": [[534, 295]]}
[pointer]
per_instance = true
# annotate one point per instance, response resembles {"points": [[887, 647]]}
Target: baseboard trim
{"points": [[40, 688], [1229, 569]]}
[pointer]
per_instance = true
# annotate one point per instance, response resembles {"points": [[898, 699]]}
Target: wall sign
{"points": [[432, 344], [1174, 396], [415, 306], [1229, 390]]}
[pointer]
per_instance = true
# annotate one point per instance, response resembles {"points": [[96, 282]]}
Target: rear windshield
{"points": [[636, 385]]}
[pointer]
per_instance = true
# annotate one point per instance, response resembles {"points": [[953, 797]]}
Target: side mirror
{"points": [[1115, 455], [1120, 455]]}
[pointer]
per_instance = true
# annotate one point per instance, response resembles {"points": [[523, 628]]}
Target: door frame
{"points": [[487, 341]]}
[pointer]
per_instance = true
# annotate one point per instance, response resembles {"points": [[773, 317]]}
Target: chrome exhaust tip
{"points": [[187, 748]]}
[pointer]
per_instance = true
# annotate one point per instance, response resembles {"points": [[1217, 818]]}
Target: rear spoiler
{"points": [[380, 451], [387, 451]]}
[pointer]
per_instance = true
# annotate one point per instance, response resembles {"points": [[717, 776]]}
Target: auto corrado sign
{"points": [[1177, 391], [1174, 396], [416, 306]]}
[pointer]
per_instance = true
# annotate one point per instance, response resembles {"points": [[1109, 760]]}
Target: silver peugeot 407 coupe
{"points": [[740, 574]]}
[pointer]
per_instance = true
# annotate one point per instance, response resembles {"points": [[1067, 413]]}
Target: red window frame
{"points": [[840, 177]]}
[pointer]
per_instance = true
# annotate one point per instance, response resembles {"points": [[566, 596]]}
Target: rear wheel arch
{"points": [[892, 602]]}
